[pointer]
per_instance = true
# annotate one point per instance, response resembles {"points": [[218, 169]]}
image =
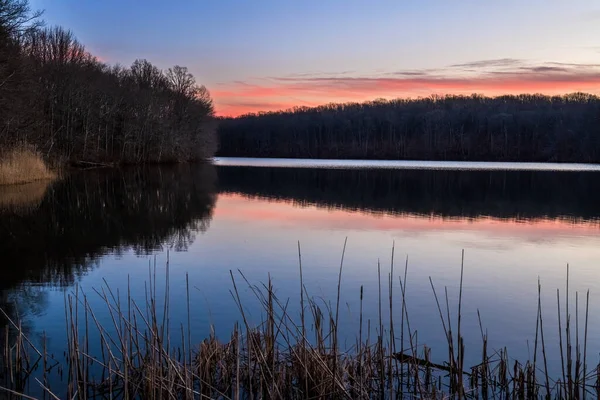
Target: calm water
{"points": [[392, 164], [106, 226]]}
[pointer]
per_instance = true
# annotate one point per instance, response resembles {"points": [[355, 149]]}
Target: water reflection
{"points": [[51, 234], [515, 195], [515, 226], [92, 213], [20, 199]]}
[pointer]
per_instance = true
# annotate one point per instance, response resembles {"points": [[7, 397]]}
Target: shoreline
{"points": [[50, 174]]}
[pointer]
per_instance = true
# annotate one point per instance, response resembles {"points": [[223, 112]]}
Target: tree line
{"points": [[470, 128], [56, 96]]}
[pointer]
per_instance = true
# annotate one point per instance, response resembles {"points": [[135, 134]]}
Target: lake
{"points": [[115, 228]]}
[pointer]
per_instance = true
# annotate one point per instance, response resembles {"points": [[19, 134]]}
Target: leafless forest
{"points": [[470, 128], [70, 106]]}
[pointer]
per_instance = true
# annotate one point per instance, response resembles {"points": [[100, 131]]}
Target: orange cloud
{"points": [[491, 77]]}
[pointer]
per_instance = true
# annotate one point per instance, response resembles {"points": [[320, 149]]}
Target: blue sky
{"points": [[331, 50]]}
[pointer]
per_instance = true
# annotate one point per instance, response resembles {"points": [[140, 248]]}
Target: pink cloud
{"points": [[492, 78]]}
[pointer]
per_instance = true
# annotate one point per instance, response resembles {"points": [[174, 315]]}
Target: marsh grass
{"points": [[23, 165], [286, 356]]}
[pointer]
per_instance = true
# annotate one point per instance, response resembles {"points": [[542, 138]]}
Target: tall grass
{"points": [[285, 356], [23, 165]]}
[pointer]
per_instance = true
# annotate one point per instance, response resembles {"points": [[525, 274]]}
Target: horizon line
{"points": [[390, 99]]}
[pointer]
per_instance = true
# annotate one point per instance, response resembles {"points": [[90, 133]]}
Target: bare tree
{"points": [[506, 128], [57, 96], [17, 18]]}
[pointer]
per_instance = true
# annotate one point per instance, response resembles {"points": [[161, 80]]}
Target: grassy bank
{"points": [[286, 356], [22, 166]]}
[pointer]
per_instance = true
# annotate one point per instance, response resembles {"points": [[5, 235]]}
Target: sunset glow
{"points": [[238, 207], [269, 55], [279, 93]]}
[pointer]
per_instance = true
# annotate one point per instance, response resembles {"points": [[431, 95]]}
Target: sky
{"points": [[267, 55]]}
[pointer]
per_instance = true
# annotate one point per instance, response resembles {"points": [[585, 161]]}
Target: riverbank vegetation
{"points": [[283, 355], [22, 165], [467, 128], [61, 100]]}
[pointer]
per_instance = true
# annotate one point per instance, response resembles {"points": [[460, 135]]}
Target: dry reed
{"points": [[281, 357], [23, 165]]}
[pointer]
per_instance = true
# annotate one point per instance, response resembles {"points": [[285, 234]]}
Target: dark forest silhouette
{"points": [[56, 96], [470, 128]]}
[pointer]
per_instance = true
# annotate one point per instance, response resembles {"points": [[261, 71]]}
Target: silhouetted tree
{"points": [[60, 98], [17, 90]]}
